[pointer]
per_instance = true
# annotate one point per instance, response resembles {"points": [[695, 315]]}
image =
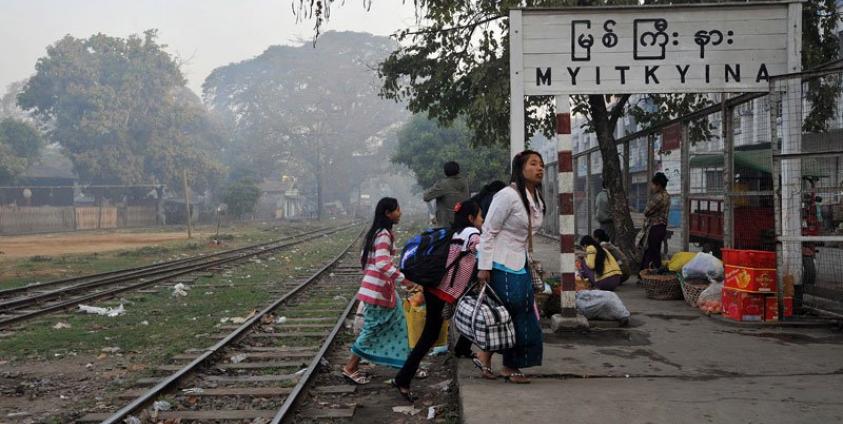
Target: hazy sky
{"points": [[205, 33]]}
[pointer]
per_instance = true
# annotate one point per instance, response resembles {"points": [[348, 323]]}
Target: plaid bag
{"points": [[485, 321]]}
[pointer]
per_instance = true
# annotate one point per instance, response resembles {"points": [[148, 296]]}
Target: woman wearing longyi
{"points": [[515, 211]]}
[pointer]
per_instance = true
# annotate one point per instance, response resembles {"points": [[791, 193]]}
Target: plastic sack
{"points": [[705, 266], [679, 260], [601, 305], [416, 316], [109, 312], [710, 300]]}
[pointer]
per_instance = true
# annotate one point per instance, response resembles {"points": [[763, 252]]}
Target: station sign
{"points": [[677, 49]]}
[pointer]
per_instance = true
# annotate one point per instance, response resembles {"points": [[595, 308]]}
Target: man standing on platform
{"points": [[604, 213], [447, 192]]}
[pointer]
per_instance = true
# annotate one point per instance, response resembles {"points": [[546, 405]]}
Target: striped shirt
{"points": [[446, 290], [380, 275]]}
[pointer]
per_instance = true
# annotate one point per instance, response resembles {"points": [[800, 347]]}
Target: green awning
{"points": [[756, 160]]}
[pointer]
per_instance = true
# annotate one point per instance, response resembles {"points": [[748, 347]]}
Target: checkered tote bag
{"points": [[485, 321]]}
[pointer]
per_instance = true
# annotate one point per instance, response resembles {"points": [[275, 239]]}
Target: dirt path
{"points": [[69, 243]]}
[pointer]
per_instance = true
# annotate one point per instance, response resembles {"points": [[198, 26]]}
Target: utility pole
{"points": [[187, 203], [318, 179]]}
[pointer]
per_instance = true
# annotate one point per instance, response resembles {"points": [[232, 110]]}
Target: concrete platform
{"points": [[671, 365]]}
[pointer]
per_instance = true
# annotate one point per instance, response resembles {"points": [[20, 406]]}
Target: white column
{"points": [[516, 84], [791, 172]]}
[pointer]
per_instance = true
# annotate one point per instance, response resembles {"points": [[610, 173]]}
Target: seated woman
{"points": [[600, 267], [616, 253]]}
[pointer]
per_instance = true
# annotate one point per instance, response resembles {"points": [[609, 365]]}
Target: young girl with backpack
{"points": [[383, 338], [462, 257]]}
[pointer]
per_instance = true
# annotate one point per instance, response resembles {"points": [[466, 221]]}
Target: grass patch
{"points": [[38, 269], [173, 324]]}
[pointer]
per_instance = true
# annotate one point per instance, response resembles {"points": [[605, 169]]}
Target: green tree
{"points": [[241, 197], [424, 146], [122, 113], [20, 145], [309, 112], [457, 65]]}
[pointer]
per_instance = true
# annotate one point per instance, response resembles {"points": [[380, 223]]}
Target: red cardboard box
{"points": [[743, 306], [750, 279], [771, 311], [750, 258]]}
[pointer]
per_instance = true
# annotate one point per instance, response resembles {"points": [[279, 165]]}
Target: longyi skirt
{"points": [[383, 339], [516, 293]]}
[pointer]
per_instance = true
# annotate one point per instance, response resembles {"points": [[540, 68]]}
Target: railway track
{"points": [[258, 371], [24, 303]]}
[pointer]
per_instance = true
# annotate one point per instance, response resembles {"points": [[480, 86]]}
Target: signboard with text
{"points": [[675, 49]]}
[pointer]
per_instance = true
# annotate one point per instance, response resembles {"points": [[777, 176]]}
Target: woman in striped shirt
{"points": [[383, 339]]}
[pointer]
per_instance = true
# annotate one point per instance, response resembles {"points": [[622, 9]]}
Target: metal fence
{"points": [[755, 181], [807, 162]]}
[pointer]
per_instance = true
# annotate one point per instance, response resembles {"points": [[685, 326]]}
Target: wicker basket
{"points": [[692, 288], [661, 287]]}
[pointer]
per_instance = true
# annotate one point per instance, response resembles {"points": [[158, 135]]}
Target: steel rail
{"points": [[292, 398], [112, 292], [172, 379], [28, 300], [126, 272]]}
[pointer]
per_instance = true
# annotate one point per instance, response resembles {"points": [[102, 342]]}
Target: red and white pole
{"points": [[565, 160]]}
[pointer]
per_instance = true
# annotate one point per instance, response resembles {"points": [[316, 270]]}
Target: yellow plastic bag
{"points": [[415, 325], [678, 260]]}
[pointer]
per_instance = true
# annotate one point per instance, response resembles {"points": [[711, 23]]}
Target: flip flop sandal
{"points": [[407, 395], [519, 378], [356, 377], [485, 372]]}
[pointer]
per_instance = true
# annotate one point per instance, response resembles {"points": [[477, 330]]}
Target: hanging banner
{"points": [[724, 47]]}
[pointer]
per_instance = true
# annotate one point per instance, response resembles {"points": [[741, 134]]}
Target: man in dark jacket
{"points": [[447, 192]]}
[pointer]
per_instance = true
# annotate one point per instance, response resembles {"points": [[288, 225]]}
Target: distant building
{"points": [[280, 199], [47, 182]]}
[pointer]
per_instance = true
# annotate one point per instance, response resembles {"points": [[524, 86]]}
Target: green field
{"points": [[15, 272]]}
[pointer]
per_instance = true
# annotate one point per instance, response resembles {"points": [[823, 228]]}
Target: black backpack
{"points": [[424, 259]]}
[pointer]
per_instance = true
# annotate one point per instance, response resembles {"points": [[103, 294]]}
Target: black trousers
{"points": [[432, 327], [653, 253], [463, 347]]}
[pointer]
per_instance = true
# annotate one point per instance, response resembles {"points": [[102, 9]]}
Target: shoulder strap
{"points": [[529, 224]]}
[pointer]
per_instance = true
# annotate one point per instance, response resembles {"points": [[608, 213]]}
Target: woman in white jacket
{"points": [[502, 261]]}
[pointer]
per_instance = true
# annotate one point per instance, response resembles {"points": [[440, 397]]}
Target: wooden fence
{"points": [[47, 219]]}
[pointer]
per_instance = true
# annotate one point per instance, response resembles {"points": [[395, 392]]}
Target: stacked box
{"points": [[750, 284], [743, 306], [756, 280], [771, 310]]}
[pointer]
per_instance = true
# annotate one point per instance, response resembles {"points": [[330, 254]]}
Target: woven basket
{"points": [[661, 287], [692, 288]]}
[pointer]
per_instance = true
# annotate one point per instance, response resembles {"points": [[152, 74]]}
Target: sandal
{"points": [[356, 377], [485, 372], [405, 393], [516, 378]]}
